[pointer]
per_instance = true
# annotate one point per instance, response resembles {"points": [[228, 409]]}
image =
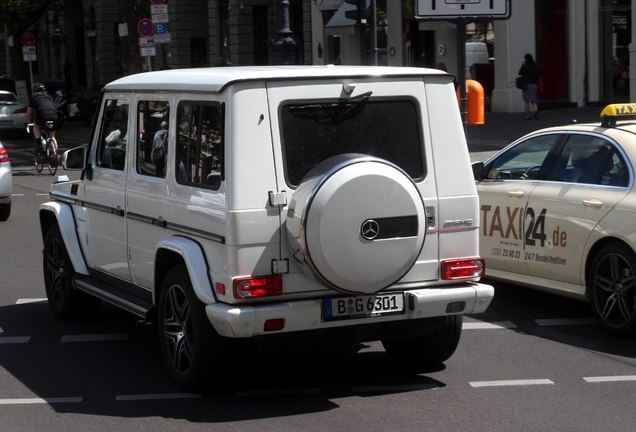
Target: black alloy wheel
{"points": [[64, 300], [612, 287], [187, 337]]}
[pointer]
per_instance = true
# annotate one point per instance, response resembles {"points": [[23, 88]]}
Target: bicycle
{"points": [[46, 153]]}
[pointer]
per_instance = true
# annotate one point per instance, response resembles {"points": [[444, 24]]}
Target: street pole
{"points": [[284, 43], [374, 31]]}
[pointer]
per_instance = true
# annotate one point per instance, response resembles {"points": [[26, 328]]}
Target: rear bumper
{"points": [[241, 321]]}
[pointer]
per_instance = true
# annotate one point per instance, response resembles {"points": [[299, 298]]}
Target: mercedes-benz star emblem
{"points": [[370, 229]]}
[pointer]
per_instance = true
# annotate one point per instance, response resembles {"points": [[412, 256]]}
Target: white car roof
{"points": [[215, 79]]}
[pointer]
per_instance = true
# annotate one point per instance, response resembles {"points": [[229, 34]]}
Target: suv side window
{"points": [[152, 137], [199, 147], [111, 149]]}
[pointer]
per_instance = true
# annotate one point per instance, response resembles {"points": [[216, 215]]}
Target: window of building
{"points": [[111, 148], [199, 146]]}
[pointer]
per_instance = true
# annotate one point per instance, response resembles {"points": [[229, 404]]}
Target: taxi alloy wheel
{"points": [[64, 301], [612, 285], [186, 334]]}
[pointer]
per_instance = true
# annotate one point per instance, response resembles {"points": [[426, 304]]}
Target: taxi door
{"points": [[503, 196], [591, 176]]}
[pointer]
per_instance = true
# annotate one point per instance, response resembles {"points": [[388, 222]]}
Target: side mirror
{"points": [[74, 159], [478, 170]]}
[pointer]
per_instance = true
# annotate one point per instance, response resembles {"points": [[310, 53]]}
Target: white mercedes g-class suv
{"points": [[269, 202]]}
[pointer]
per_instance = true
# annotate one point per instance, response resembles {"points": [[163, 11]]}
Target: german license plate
{"points": [[363, 306]]}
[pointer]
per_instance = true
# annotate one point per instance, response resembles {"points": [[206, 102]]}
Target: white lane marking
{"points": [[30, 300], [488, 326], [41, 194], [95, 337], [158, 396], [16, 194], [615, 378], [25, 401], [565, 321], [501, 383], [14, 339]]}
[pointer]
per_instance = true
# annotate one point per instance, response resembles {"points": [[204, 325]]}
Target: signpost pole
{"points": [[31, 75]]}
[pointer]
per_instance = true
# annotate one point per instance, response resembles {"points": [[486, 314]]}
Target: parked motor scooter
{"points": [[73, 108]]}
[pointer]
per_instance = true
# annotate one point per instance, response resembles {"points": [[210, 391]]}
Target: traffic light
{"points": [[359, 13]]}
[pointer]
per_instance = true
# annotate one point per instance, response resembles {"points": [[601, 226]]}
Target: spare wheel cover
{"points": [[363, 226]]}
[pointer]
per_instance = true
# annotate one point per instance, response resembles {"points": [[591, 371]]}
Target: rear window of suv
{"points": [[386, 128]]}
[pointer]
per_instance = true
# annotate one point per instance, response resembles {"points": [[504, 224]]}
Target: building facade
{"points": [[583, 46]]}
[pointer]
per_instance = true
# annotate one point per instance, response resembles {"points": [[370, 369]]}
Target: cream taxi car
{"points": [[558, 213]]}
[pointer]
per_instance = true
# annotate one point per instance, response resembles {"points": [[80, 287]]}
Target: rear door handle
{"points": [[593, 202], [516, 193]]}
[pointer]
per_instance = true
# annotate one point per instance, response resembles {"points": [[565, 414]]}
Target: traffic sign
{"points": [[158, 9], [462, 9], [161, 28], [148, 51], [145, 27], [159, 18], [27, 39], [29, 54]]}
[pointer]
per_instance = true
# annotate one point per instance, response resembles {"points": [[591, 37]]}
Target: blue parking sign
{"points": [[161, 28]]}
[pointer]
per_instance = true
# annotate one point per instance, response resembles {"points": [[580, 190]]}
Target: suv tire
{"points": [[187, 337], [64, 300], [424, 351]]}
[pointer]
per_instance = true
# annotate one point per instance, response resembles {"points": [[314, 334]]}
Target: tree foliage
{"points": [[18, 16]]}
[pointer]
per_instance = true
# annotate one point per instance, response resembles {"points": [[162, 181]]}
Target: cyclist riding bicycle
{"points": [[40, 110]]}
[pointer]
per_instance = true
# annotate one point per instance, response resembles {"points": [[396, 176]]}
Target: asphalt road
{"points": [[532, 362]]}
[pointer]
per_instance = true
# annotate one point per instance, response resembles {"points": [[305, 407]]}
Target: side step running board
{"points": [[114, 295]]}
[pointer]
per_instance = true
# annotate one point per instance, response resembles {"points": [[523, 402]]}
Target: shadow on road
{"points": [[99, 375]]}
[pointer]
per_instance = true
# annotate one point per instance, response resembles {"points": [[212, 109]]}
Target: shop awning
{"points": [[339, 24]]}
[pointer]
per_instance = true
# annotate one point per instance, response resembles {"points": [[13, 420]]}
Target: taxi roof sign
{"points": [[613, 111]]}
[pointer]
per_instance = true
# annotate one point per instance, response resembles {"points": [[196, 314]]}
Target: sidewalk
{"points": [[500, 129]]}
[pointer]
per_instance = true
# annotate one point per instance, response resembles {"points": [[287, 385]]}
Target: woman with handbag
{"points": [[529, 71]]}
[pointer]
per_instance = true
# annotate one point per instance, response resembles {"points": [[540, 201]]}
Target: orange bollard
{"points": [[474, 103]]}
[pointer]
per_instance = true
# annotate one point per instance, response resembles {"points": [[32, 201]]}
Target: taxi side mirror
{"points": [[478, 170]]}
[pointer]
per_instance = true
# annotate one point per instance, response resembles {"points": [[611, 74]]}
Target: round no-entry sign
{"points": [[27, 39], [145, 27]]}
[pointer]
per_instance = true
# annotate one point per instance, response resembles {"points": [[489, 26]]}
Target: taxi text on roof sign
{"points": [[615, 110], [612, 111]]}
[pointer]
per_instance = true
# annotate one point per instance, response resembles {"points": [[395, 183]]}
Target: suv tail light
{"points": [[463, 268], [4, 155], [257, 286]]}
